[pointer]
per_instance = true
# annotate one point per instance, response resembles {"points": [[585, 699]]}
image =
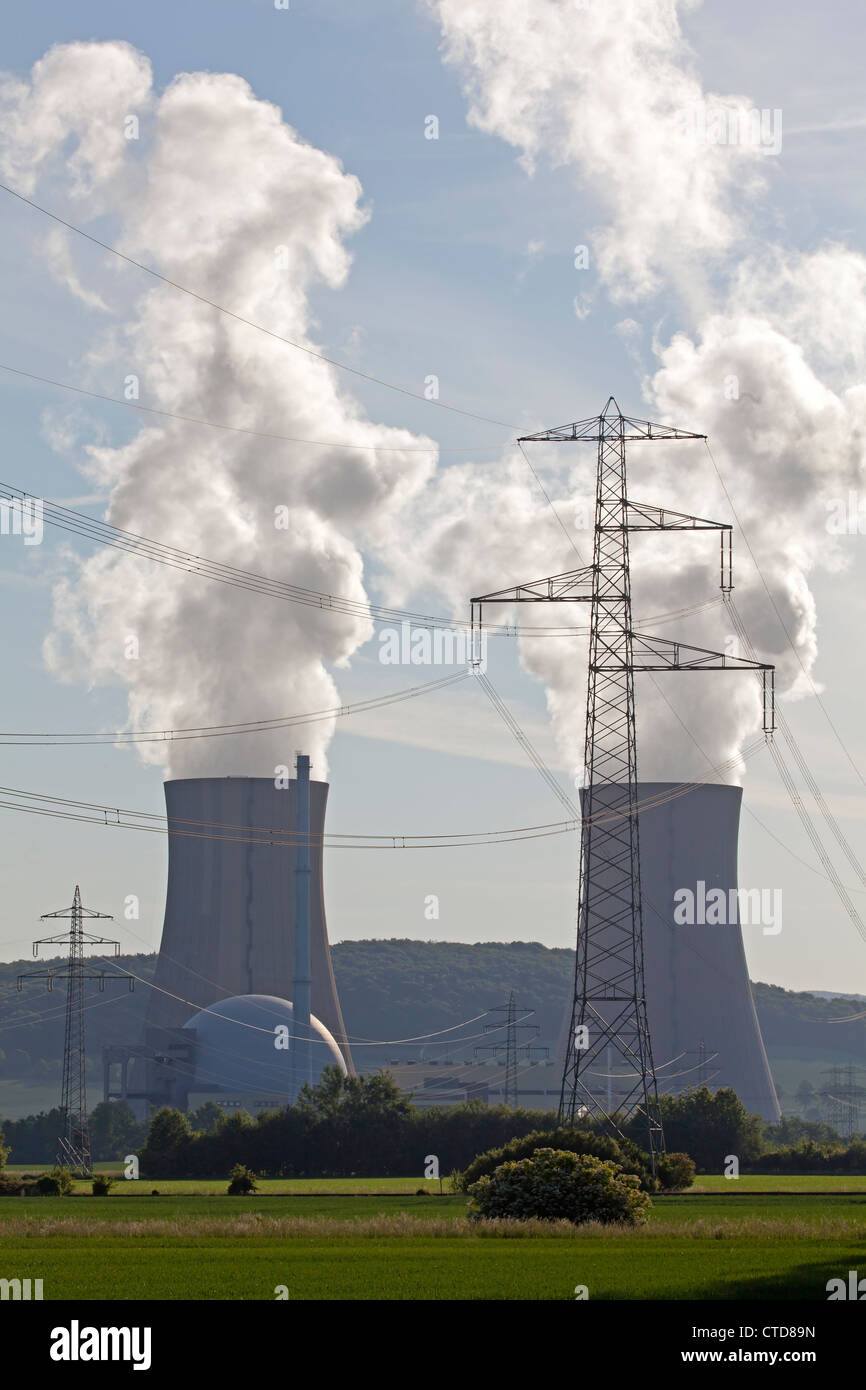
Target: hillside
{"points": [[401, 988]]}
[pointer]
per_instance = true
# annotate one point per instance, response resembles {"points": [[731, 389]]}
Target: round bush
{"points": [[675, 1172], [243, 1181], [101, 1185], [555, 1185], [63, 1178], [622, 1152]]}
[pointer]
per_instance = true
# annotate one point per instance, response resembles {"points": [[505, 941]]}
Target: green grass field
{"points": [[713, 1184], [762, 1182], [188, 1243], [272, 1186]]}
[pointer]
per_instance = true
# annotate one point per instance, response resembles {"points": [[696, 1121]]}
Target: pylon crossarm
{"points": [[79, 912], [643, 516], [84, 937], [665, 654], [610, 424], [573, 586]]}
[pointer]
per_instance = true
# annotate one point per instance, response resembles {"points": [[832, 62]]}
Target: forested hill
{"points": [[809, 1022], [397, 989], [400, 988]]}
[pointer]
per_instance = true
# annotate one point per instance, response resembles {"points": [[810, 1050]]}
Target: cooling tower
{"points": [[702, 1019], [230, 906]]}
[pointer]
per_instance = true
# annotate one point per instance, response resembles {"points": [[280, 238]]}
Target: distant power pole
{"points": [[74, 1142], [843, 1097], [510, 1047]]}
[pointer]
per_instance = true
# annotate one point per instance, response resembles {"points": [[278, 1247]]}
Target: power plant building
{"points": [[225, 976]]}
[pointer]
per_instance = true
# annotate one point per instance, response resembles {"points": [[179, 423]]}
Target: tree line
{"points": [[364, 1126]]}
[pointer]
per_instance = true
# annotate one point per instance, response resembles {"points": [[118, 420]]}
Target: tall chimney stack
{"points": [[302, 981]]}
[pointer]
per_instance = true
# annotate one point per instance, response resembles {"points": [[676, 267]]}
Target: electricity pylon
{"points": [[74, 1142], [609, 1037], [511, 1047]]}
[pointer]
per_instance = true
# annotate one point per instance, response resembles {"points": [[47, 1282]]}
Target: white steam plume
{"points": [[218, 193], [765, 361]]}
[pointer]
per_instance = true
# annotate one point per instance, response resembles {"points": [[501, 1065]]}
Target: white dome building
{"points": [[244, 1050]]}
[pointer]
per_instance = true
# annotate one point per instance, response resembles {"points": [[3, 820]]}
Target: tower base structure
{"points": [[700, 1011]]}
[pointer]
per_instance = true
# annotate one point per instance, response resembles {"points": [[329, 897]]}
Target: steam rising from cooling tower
{"points": [[769, 361], [218, 193]]}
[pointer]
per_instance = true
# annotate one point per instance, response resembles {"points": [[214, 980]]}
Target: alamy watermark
{"points": [[854, 1290], [719, 907], [77, 1343], [708, 124], [20, 1290], [846, 516], [439, 646], [22, 516]]}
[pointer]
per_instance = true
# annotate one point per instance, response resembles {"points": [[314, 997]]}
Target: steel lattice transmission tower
{"points": [[511, 1046], [74, 1142], [843, 1096], [609, 1036]]}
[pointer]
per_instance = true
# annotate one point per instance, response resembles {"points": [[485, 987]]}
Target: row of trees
{"points": [[359, 1126], [344, 1126], [114, 1132]]}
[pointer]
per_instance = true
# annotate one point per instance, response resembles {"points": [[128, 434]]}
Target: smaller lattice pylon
{"points": [[510, 1047], [73, 1144]]}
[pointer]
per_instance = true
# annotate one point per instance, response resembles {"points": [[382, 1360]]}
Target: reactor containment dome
{"points": [[244, 1046]]}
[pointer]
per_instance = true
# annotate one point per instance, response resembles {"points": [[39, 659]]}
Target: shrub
{"points": [[59, 1182], [102, 1183], [623, 1152], [166, 1150], [675, 1172], [555, 1184], [708, 1127], [243, 1182]]}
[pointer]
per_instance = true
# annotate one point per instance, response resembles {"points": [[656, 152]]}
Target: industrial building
{"points": [[244, 874]]}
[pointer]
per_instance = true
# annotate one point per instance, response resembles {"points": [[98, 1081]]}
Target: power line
{"points": [[103, 533], [259, 726], [64, 808], [239, 318], [797, 801], [534, 757], [547, 499], [781, 621], [244, 429]]}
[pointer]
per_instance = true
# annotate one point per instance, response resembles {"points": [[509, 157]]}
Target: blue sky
{"points": [[464, 269]]}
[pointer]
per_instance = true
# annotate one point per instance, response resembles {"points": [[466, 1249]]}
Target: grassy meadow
{"points": [[376, 1239]]}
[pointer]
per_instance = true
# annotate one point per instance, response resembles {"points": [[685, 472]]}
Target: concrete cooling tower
{"points": [[229, 927], [702, 1020]]}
